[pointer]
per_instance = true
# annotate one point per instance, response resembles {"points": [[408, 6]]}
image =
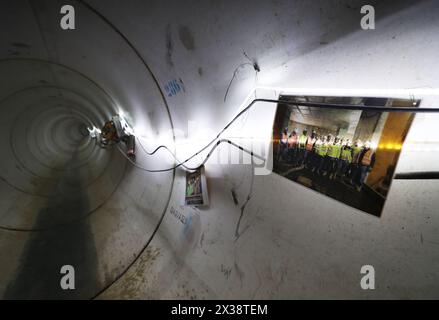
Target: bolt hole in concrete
{"points": [[63, 199]]}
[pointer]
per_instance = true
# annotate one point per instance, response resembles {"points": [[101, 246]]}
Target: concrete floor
{"points": [[339, 189]]}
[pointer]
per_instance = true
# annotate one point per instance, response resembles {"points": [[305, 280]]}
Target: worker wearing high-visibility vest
{"points": [[334, 151], [356, 149], [366, 161], [316, 153], [346, 153], [309, 150], [353, 167], [292, 146], [323, 148], [345, 159], [323, 153], [283, 144], [302, 139], [301, 146]]}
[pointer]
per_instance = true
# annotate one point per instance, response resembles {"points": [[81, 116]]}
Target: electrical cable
{"points": [[158, 148], [234, 75], [309, 104], [422, 175], [181, 164]]}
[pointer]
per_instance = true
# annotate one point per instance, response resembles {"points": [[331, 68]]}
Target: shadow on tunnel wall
{"points": [[46, 251]]}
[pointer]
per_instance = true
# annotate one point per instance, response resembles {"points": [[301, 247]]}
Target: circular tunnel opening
{"points": [[65, 199]]}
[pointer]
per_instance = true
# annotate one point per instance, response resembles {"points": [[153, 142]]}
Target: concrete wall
{"points": [[288, 241], [281, 240]]}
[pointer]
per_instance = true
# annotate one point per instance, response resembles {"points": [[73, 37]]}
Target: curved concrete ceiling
{"points": [[65, 200]]}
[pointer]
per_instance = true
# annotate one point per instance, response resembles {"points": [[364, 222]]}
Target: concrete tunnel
{"points": [[179, 72]]}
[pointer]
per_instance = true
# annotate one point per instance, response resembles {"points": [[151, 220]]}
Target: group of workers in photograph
{"points": [[330, 156]]}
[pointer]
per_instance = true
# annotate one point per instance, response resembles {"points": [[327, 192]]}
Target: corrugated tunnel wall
{"points": [[66, 201]]}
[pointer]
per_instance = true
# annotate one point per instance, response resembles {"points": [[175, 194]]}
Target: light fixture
{"points": [[94, 132]]}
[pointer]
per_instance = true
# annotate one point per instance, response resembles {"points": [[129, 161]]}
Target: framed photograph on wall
{"points": [[348, 155]]}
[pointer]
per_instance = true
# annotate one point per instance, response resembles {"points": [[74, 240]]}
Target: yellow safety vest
{"points": [[334, 150], [367, 158], [346, 154], [302, 141], [323, 149], [317, 146], [355, 153]]}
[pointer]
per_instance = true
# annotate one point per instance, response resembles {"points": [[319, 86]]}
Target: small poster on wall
{"points": [[196, 188]]}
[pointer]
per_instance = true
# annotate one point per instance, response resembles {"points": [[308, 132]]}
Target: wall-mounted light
{"points": [[94, 132], [124, 124]]}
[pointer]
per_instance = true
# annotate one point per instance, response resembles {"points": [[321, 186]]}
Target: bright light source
{"points": [[124, 124], [94, 132]]}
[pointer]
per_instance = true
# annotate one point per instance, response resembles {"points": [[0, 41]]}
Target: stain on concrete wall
{"points": [[186, 38], [169, 46]]}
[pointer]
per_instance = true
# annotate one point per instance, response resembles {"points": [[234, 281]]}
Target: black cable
{"points": [[112, 26], [234, 75], [422, 175], [205, 160], [351, 106], [157, 149], [309, 104]]}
